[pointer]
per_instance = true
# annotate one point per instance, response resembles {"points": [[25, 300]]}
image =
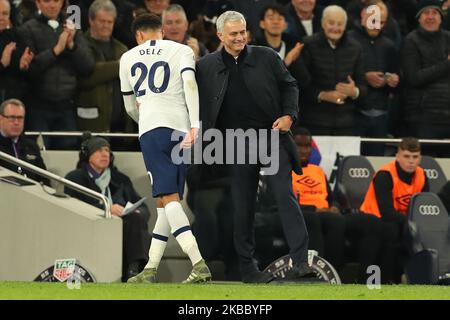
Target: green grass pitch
{"points": [[217, 291]]}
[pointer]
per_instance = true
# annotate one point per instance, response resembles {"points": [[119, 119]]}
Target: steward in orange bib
{"points": [[388, 198], [393, 185], [316, 200]]}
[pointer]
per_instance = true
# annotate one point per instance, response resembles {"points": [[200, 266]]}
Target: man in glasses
{"points": [[13, 142]]}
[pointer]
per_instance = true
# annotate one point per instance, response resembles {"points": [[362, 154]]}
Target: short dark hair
{"points": [[274, 7], [409, 144], [146, 22], [301, 131]]}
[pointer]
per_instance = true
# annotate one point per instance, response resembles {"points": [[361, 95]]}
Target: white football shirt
{"points": [[150, 77]]}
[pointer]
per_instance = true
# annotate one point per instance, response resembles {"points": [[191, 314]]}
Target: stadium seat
{"points": [[429, 240], [354, 174], [434, 172]]}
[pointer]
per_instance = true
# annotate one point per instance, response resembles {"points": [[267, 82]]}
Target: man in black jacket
{"points": [[426, 69], [303, 17], [13, 142], [14, 57], [335, 65], [380, 60], [247, 87], [95, 170], [61, 54]]}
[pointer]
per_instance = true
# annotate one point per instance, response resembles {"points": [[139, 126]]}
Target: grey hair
{"points": [[174, 8], [105, 5], [333, 9], [15, 102], [228, 16]]}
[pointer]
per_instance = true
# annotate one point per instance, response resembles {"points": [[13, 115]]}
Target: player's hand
{"points": [[7, 53], [190, 138], [283, 124], [116, 210]]}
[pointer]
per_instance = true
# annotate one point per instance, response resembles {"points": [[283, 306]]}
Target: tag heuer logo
{"points": [[64, 269]]}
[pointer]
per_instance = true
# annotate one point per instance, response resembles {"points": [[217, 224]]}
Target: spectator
{"points": [[203, 15], [335, 65], [388, 197], [273, 23], [13, 142], [61, 53], [426, 69], [14, 57], [244, 87], [122, 23], [96, 171], [391, 28], [303, 18], [99, 99], [156, 6], [379, 59], [251, 9], [175, 26]]}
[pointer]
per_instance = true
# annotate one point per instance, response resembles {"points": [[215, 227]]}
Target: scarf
{"points": [[102, 181]]}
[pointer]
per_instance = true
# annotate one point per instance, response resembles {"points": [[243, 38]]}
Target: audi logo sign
{"points": [[429, 210], [359, 173], [431, 173]]}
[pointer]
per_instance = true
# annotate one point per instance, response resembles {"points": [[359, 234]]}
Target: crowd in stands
{"points": [[391, 80], [354, 79]]}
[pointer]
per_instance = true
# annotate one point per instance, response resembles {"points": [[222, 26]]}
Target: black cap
{"points": [[91, 143], [429, 4]]}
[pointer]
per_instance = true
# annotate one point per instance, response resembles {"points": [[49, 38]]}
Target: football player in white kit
{"points": [[160, 92]]}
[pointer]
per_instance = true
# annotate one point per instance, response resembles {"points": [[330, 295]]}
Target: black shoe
{"points": [[299, 271], [257, 277]]}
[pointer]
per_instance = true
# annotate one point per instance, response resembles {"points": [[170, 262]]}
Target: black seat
{"points": [[435, 174], [428, 230], [352, 182]]}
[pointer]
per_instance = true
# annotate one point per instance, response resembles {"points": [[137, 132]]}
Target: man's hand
{"points": [[333, 97], [375, 79], [293, 54], [7, 53], [193, 44], [61, 44], [283, 124], [190, 138], [70, 28], [25, 59], [349, 89], [116, 210], [393, 80]]}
